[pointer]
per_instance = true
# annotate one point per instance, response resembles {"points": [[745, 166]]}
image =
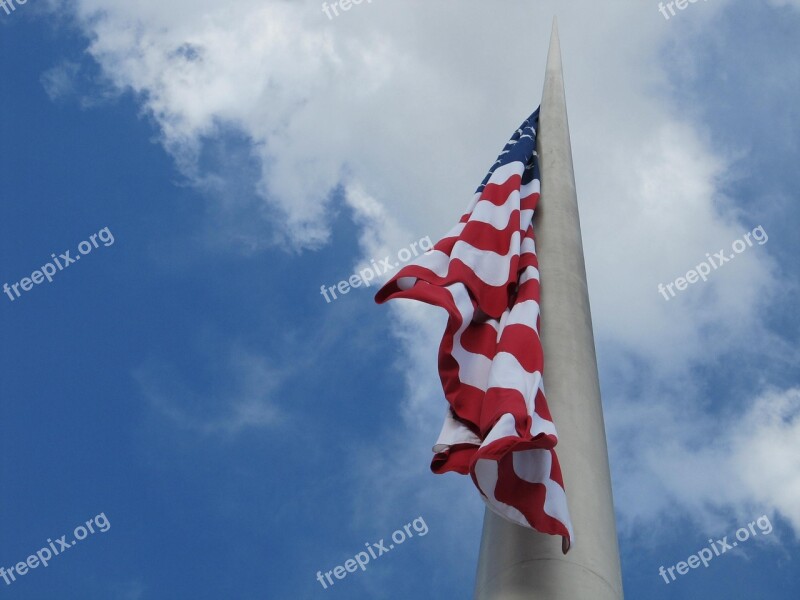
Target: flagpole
{"points": [[517, 563]]}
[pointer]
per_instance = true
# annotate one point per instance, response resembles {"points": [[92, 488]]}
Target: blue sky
{"points": [[190, 383]]}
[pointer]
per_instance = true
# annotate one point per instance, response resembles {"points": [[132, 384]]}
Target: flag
{"points": [[484, 273]]}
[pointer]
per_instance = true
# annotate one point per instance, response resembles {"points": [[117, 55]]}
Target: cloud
{"points": [[768, 456], [251, 67], [132, 590], [59, 81], [78, 81], [236, 399], [792, 3], [739, 466]]}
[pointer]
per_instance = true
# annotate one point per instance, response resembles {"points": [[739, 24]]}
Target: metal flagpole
{"points": [[517, 563]]}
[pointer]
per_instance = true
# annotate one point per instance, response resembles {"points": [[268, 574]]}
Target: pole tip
{"points": [[554, 52]]}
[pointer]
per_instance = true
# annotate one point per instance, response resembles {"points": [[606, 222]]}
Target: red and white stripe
{"points": [[498, 427]]}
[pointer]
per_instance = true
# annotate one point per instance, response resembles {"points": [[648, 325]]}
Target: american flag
{"points": [[484, 272]]}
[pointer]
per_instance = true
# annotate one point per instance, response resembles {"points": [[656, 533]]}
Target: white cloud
{"points": [[740, 466], [59, 81], [242, 401], [132, 590], [795, 3], [768, 455]]}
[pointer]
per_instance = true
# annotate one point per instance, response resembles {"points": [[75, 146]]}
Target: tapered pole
{"points": [[516, 563]]}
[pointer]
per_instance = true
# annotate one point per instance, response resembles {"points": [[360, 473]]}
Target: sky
{"points": [[183, 396]]}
